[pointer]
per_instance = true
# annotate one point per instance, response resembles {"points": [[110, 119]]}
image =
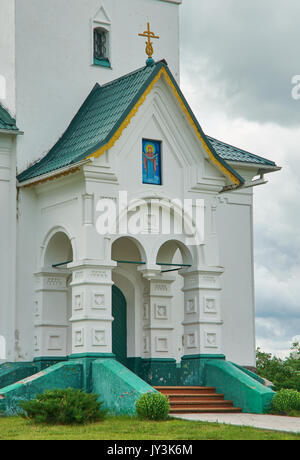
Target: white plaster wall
{"points": [[54, 56], [234, 221], [7, 52], [7, 241]]}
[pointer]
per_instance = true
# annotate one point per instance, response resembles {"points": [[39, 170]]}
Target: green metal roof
{"points": [[7, 123], [230, 153], [98, 119]]}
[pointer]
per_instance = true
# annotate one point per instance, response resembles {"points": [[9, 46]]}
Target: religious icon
{"points": [[151, 162]]}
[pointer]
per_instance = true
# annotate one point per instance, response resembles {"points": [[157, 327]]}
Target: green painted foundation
{"points": [[156, 372], [119, 387], [13, 372], [191, 372], [86, 361], [63, 375], [45, 362], [237, 386]]}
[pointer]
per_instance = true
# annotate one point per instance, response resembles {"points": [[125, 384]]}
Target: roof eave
{"points": [[256, 166], [11, 131], [53, 174]]}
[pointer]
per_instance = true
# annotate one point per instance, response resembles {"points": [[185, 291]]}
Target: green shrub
{"points": [[153, 406], [283, 373], [63, 407], [286, 401]]}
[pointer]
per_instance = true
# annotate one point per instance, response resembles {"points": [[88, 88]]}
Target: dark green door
{"points": [[119, 325]]}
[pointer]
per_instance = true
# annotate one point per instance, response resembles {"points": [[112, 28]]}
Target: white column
{"points": [[157, 309], [202, 311], [50, 313], [92, 307]]}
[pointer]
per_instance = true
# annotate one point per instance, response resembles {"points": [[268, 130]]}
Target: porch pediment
{"points": [[102, 119]]}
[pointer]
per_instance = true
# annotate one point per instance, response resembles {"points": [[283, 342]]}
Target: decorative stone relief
{"points": [[210, 305], [191, 306], [211, 340], [146, 311], [160, 312], [146, 344], [161, 344], [55, 343], [36, 309], [36, 343], [99, 301], [98, 275], [191, 340], [55, 282], [161, 288], [78, 275], [99, 337], [78, 302], [79, 337]]}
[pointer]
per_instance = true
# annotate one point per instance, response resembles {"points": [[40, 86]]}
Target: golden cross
{"points": [[149, 45]]}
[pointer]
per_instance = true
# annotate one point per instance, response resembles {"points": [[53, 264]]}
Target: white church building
{"points": [[126, 233]]}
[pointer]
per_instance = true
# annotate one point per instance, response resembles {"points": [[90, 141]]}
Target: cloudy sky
{"points": [[238, 59]]}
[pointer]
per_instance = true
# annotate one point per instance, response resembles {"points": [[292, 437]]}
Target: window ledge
{"points": [[102, 63]]}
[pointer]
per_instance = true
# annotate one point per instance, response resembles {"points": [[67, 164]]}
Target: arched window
{"points": [[101, 31], [101, 47]]}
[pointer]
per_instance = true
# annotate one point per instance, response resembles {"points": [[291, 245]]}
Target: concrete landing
{"points": [[266, 422]]}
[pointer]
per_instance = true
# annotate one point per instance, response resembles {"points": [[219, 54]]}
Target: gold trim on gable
{"points": [[135, 109]]}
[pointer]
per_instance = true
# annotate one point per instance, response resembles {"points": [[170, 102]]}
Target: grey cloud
{"points": [[248, 50]]}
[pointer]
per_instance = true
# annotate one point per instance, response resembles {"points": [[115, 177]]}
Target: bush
{"points": [[283, 373], [153, 406], [286, 401], [63, 407]]}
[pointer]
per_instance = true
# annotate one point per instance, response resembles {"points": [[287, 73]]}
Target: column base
{"points": [[43, 362], [155, 371], [192, 368], [87, 359]]}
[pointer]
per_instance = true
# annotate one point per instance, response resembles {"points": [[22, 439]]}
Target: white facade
{"points": [[45, 311]]}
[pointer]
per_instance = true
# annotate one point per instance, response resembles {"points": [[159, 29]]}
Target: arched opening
{"points": [[127, 298], [59, 251], [175, 253]]}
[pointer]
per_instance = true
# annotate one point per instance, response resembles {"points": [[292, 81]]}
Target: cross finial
{"points": [[149, 45]]}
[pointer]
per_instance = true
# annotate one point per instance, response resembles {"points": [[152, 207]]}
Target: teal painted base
{"points": [[13, 372], [120, 387], [117, 386], [86, 360], [156, 372], [238, 386], [45, 362], [191, 371], [63, 375]]}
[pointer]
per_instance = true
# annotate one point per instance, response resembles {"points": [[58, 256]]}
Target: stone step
{"points": [[196, 399], [213, 403], [185, 390], [205, 410]]}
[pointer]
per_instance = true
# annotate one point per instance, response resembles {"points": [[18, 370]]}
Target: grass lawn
{"points": [[126, 428]]}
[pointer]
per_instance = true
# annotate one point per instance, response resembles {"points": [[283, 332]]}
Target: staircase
{"points": [[184, 400]]}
